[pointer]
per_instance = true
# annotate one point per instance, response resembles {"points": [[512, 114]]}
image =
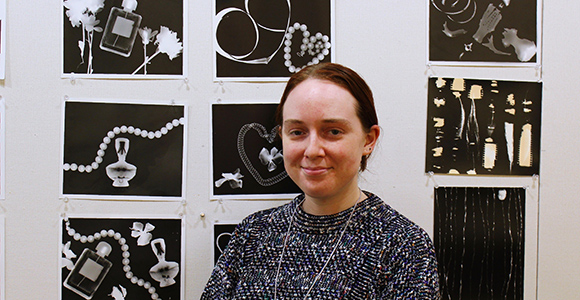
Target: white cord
{"points": [[329, 258]]}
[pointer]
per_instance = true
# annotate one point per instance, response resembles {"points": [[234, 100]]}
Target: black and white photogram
{"points": [[124, 38], [479, 240], [483, 127], [247, 152], [2, 39], [484, 31], [222, 232], [270, 40], [2, 257], [123, 150], [2, 148], [122, 258]]}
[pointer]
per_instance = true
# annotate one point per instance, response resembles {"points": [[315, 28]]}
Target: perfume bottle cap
{"points": [[103, 249], [129, 5]]}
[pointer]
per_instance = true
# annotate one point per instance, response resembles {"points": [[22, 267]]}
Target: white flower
{"points": [[168, 43], [90, 23], [147, 35], [77, 9], [94, 6]]}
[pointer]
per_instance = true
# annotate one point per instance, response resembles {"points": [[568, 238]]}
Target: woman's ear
{"points": [[371, 139]]}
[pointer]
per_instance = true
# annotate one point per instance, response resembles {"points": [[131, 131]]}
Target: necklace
{"points": [[111, 135], [317, 46], [329, 257]]}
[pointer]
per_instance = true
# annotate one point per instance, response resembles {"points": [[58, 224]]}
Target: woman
{"points": [[334, 241]]}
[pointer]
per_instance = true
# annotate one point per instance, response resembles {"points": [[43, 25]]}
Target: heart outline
{"points": [[270, 138]]}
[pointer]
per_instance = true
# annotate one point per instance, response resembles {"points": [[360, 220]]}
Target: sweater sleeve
{"points": [[408, 268], [224, 277]]}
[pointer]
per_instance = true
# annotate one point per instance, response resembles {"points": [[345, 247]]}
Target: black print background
{"points": [[520, 15], [154, 13], [223, 240], [141, 260], [451, 111], [237, 33], [227, 120], [159, 162], [479, 240]]}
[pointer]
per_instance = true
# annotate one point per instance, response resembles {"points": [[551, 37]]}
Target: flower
{"points": [[94, 6], [147, 35], [90, 23], [76, 9], [168, 43], [79, 8]]}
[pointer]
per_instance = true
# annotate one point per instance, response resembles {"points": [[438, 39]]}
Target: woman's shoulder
{"points": [[390, 223]]}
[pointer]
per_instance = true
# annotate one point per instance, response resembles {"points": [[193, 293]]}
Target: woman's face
{"points": [[323, 138]]}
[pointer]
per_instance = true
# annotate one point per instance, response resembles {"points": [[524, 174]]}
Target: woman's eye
{"points": [[295, 133]]}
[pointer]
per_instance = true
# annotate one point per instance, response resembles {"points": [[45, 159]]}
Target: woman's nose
{"points": [[314, 147]]}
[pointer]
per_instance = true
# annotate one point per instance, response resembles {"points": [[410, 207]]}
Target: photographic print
{"points": [[124, 38], [2, 148], [270, 40], [122, 258], [483, 127], [2, 39], [116, 150], [479, 241], [247, 154], [497, 32], [2, 257], [222, 232]]}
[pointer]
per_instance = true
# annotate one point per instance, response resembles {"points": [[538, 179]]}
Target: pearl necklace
{"points": [[329, 257], [317, 45], [118, 130], [124, 247]]}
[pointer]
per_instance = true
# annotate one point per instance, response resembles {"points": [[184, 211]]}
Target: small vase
{"points": [[121, 171], [164, 271]]}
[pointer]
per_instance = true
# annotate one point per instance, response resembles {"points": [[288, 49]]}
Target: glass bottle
{"points": [[89, 271], [121, 171], [121, 29]]}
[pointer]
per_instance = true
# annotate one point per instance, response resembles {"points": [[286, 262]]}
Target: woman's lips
{"points": [[314, 171]]}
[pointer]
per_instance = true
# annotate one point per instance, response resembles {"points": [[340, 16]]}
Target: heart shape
{"points": [[269, 136], [317, 46]]}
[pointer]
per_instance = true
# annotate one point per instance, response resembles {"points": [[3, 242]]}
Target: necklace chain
{"points": [[329, 257]]}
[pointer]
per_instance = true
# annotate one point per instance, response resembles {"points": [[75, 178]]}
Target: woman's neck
{"points": [[332, 205]]}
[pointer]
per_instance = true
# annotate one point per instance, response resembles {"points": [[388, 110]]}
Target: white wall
{"points": [[383, 40]]}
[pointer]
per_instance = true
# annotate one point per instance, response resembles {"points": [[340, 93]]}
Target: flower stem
{"points": [[145, 58], [146, 62], [90, 59]]}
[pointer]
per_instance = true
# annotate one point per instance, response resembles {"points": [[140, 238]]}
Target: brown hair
{"points": [[345, 78]]}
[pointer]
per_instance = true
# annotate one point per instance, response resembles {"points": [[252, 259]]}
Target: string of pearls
{"points": [[317, 46], [124, 247], [118, 130]]}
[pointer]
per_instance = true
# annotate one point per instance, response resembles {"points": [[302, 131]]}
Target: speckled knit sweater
{"points": [[382, 255]]}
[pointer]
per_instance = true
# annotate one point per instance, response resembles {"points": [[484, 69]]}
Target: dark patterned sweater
{"points": [[382, 255]]}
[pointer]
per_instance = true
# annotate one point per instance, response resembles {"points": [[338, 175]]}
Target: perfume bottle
{"points": [[121, 171], [121, 29], [89, 271], [164, 271]]}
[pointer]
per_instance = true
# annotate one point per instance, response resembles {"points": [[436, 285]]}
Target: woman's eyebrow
{"points": [[326, 121]]}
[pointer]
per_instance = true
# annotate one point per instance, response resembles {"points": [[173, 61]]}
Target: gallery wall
{"points": [[385, 41]]}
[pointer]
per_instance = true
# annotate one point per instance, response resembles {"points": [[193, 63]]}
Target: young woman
{"points": [[334, 241]]}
